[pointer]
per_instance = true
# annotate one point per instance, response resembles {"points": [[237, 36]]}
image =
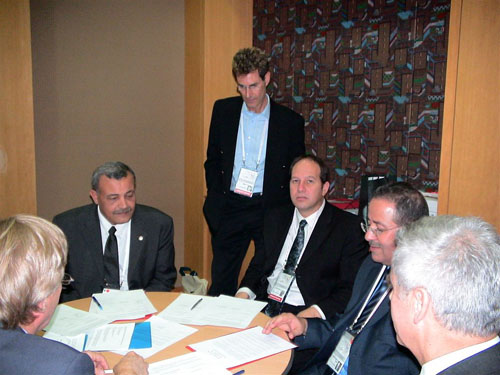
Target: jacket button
{"points": [[283, 166]]}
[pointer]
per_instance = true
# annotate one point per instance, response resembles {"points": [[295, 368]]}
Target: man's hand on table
{"points": [[131, 364], [100, 363], [291, 324]]}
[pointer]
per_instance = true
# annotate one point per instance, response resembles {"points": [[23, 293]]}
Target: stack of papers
{"points": [[216, 311], [120, 305], [242, 347], [196, 363]]}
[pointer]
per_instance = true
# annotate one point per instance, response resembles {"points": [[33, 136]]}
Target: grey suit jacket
{"points": [[151, 260], [486, 362], [22, 353]]}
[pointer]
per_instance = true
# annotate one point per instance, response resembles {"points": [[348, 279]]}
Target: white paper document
{"points": [[110, 337], [76, 342], [196, 363], [216, 311], [68, 321], [119, 305], [243, 347], [163, 334]]}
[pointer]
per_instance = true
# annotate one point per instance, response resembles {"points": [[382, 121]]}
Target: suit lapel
{"points": [[283, 225], [138, 238], [275, 139], [92, 235], [229, 134], [322, 230]]}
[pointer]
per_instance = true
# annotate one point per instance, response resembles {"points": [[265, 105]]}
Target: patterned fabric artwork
{"points": [[368, 76]]}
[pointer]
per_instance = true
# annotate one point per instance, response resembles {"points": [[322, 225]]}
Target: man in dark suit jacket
{"points": [[251, 144], [32, 257], [446, 295], [367, 341], [334, 250], [144, 235]]}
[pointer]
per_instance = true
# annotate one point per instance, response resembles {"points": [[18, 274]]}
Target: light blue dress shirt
{"points": [[255, 126]]}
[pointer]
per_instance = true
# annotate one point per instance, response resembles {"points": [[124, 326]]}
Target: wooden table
{"points": [[276, 364]]}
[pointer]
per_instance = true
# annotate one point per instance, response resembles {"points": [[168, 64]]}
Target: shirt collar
{"points": [[265, 113], [441, 363], [313, 218]]}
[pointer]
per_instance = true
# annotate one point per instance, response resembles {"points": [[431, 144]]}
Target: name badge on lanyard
{"points": [[341, 352], [246, 182], [281, 286]]}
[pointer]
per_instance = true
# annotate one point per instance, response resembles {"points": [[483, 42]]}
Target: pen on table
{"points": [[98, 305], [239, 372], [196, 304]]}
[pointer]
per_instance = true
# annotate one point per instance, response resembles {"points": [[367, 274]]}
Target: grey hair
{"points": [[111, 169], [457, 260]]}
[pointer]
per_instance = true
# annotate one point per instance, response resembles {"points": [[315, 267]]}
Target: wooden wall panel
{"points": [[470, 178], [17, 148], [215, 30]]}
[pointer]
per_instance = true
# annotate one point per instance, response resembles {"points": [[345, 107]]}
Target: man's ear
{"points": [[93, 195], [325, 188], [420, 304], [267, 78]]}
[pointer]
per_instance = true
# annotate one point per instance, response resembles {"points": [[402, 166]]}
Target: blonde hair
{"points": [[33, 255]]}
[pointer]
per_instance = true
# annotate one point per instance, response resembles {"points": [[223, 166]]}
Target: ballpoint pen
{"points": [[196, 304], [97, 302], [239, 372]]}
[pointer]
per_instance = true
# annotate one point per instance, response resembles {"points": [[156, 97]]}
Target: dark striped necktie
{"points": [[111, 262]]}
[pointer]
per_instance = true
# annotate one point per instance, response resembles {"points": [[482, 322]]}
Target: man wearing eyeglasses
{"points": [[362, 340]]}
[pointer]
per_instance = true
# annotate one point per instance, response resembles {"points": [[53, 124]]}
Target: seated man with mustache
{"points": [[114, 242]]}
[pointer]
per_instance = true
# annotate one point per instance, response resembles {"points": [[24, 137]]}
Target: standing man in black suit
{"points": [[116, 243], [445, 302], [251, 144], [362, 340], [32, 257], [319, 283]]}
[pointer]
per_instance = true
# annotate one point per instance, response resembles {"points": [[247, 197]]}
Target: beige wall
{"points": [[108, 80], [17, 157]]}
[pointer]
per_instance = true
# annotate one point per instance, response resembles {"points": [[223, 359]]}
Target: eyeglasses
{"points": [[365, 227], [67, 279]]}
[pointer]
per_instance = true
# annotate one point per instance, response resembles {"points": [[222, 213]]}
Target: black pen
{"points": [[196, 304], [97, 302]]}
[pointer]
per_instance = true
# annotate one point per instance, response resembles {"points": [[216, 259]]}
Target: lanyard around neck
{"points": [[262, 138]]}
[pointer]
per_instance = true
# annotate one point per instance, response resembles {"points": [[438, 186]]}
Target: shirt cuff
{"points": [[318, 309], [246, 290]]}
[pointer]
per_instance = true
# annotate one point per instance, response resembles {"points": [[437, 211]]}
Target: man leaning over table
{"points": [[32, 258], [114, 242], [314, 278], [362, 341]]}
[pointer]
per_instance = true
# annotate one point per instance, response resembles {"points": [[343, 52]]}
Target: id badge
{"points": [[341, 352], [246, 182], [278, 292]]}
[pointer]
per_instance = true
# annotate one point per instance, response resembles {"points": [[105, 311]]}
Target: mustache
{"points": [[122, 211], [374, 243]]}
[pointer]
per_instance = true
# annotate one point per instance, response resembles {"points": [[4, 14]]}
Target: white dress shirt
{"points": [[123, 238], [441, 363]]}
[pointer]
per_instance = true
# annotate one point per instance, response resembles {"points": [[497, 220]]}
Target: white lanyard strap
{"points": [[262, 138]]}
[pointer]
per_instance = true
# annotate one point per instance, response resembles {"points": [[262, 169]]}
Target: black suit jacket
{"points": [[374, 351], [329, 264], [486, 362], [22, 353], [151, 260], [285, 141]]}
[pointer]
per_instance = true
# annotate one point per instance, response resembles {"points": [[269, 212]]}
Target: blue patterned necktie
{"points": [[379, 291], [111, 263], [274, 307]]}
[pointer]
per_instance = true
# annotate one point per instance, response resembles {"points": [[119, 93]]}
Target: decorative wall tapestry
{"points": [[368, 77]]}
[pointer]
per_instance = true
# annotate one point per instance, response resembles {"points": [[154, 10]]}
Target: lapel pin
{"points": [[140, 238]]}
